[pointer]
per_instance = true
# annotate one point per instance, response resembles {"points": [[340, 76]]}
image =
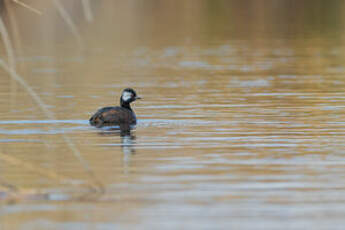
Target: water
{"points": [[240, 127]]}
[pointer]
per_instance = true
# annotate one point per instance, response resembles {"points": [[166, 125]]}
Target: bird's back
{"points": [[113, 116]]}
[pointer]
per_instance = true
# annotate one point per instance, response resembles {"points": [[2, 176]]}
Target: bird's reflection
{"points": [[128, 151], [127, 143]]}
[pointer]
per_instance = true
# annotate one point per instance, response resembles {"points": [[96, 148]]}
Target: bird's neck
{"points": [[125, 104]]}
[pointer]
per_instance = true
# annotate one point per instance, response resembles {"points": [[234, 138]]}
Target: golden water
{"points": [[241, 125]]}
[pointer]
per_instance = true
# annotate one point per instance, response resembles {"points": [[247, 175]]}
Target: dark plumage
{"points": [[122, 115]]}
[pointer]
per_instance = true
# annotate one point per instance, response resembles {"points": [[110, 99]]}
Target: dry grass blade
{"points": [[7, 187], [31, 92], [87, 10], [50, 115], [8, 45], [27, 7], [14, 75], [65, 16], [45, 172], [13, 193]]}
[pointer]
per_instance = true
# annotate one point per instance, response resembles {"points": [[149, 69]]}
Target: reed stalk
{"points": [[71, 25], [10, 68], [27, 6], [87, 10]]}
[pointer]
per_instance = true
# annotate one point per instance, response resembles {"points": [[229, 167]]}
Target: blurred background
{"points": [[241, 125]]}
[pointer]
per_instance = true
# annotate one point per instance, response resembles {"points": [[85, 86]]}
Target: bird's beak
{"points": [[136, 98]]}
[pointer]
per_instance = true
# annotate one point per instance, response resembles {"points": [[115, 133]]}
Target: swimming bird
{"points": [[122, 115]]}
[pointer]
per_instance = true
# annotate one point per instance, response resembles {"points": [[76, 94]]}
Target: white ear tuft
{"points": [[126, 95]]}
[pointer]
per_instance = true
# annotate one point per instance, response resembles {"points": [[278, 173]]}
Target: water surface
{"points": [[241, 125]]}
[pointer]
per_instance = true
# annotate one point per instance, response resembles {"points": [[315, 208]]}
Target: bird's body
{"points": [[122, 115], [113, 116]]}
